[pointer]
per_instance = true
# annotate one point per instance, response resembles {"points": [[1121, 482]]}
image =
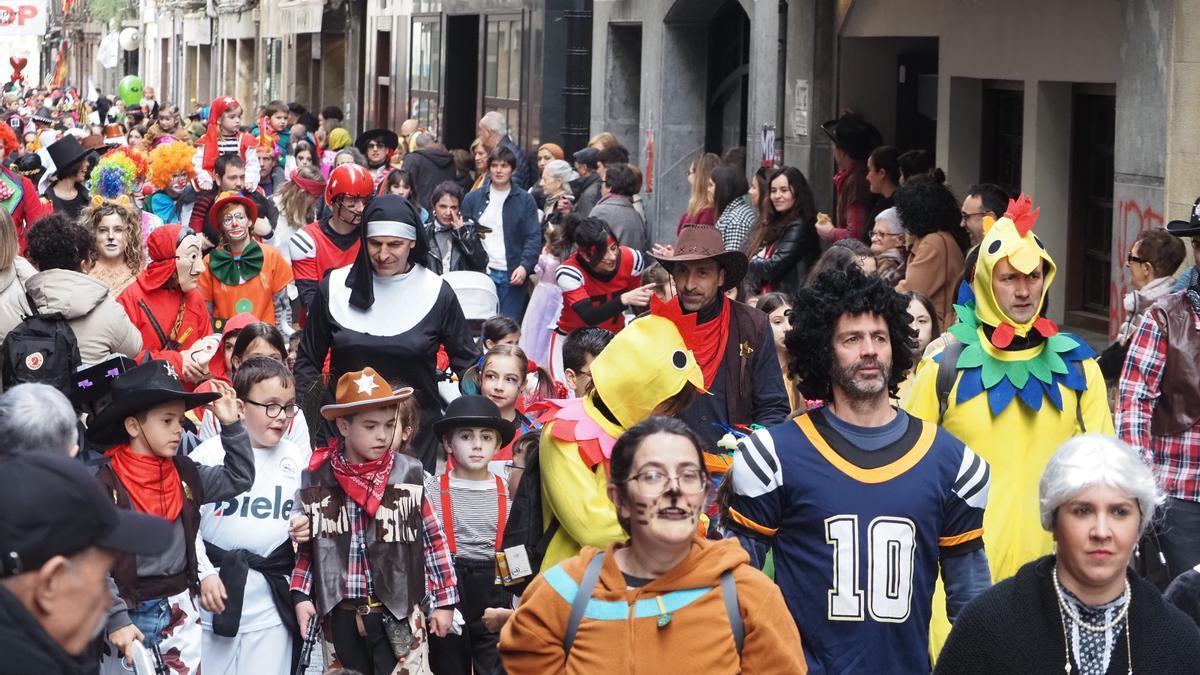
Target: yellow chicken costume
{"points": [[1020, 390], [645, 364]]}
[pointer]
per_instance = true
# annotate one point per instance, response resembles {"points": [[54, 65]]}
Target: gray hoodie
{"points": [[100, 325]]}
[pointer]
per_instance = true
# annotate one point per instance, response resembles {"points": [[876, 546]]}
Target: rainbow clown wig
{"points": [[119, 172], [169, 159]]}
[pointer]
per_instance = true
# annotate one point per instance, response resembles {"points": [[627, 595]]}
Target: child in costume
{"points": [[171, 173], [165, 305], [224, 136], [599, 281], [153, 601], [472, 504], [358, 495], [245, 558], [243, 276], [648, 368]]}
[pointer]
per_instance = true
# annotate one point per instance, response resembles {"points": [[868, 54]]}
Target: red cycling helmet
{"points": [[349, 180]]}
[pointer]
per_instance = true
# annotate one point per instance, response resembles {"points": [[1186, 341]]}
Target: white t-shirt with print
{"points": [[256, 520], [493, 217]]}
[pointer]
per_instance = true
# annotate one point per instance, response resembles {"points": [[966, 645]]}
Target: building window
{"points": [[425, 74], [273, 85], [502, 69], [1001, 130]]}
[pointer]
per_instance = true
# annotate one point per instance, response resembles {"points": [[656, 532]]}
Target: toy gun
{"points": [[309, 642], [147, 660]]}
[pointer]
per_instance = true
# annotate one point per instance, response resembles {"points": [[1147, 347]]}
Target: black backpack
{"points": [[42, 348], [524, 524]]}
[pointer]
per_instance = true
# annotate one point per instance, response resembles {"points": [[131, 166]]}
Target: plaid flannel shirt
{"points": [[1174, 459], [440, 581]]}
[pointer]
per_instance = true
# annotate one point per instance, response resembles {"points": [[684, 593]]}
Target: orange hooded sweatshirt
{"points": [[697, 639]]}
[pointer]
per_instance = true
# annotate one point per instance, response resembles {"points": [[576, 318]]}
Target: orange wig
{"points": [[169, 159]]}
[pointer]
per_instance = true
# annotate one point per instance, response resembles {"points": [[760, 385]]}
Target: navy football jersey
{"points": [[858, 535]]}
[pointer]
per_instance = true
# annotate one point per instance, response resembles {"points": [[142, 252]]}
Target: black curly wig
{"points": [[58, 242], [925, 207], [815, 313]]}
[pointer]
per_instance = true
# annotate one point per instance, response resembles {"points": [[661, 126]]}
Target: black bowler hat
{"points": [[386, 136], [475, 411], [1187, 228], [137, 390], [53, 506]]}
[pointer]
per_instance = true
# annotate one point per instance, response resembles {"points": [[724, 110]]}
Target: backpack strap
{"points": [[582, 597], [947, 373], [730, 595]]}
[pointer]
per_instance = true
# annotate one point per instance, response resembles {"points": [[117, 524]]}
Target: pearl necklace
{"points": [[1065, 610], [1064, 606]]}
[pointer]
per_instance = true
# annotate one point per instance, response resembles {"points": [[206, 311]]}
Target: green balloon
{"points": [[130, 89]]}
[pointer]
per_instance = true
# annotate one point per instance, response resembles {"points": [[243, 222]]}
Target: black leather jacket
{"points": [[788, 262], [466, 249]]}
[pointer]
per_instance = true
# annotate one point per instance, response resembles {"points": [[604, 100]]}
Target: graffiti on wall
{"points": [[1132, 220]]}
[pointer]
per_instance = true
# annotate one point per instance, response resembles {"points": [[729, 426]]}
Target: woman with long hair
{"points": [[297, 203], [731, 203], [700, 204], [785, 243], [119, 253]]}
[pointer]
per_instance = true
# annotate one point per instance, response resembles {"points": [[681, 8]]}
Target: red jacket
{"points": [[164, 304], [22, 203]]}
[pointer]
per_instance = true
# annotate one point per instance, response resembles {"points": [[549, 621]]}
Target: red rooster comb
{"points": [[686, 323], [1022, 213]]}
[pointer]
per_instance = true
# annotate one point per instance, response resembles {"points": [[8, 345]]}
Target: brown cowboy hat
{"points": [[360, 391], [702, 242]]}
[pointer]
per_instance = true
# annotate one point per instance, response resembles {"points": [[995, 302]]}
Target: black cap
{"points": [[475, 411], [587, 156], [53, 505]]}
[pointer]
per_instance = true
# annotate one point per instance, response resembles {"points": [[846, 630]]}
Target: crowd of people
{"points": [[277, 397]]}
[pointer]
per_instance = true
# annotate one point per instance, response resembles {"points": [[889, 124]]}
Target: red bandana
{"points": [[152, 482], [711, 338], [364, 483]]}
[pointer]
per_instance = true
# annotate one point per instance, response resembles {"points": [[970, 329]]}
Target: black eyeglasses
{"points": [[1131, 258], [273, 410], [966, 215]]}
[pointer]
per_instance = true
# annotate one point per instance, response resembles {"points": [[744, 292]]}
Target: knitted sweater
{"points": [[1015, 627]]}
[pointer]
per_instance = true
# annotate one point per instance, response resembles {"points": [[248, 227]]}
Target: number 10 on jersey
{"points": [[890, 544]]}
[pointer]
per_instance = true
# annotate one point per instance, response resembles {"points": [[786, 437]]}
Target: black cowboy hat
{"points": [[853, 135], [1187, 228], [30, 166], [475, 411], [66, 153], [137, 390], [703, 242], [385, 136]]}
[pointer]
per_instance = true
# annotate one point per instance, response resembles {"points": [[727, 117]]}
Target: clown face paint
{"points": [[189, 263], [669, 518], [179, 181]]}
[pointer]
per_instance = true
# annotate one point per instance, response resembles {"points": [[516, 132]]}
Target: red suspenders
{"points": [[448, 513]]}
